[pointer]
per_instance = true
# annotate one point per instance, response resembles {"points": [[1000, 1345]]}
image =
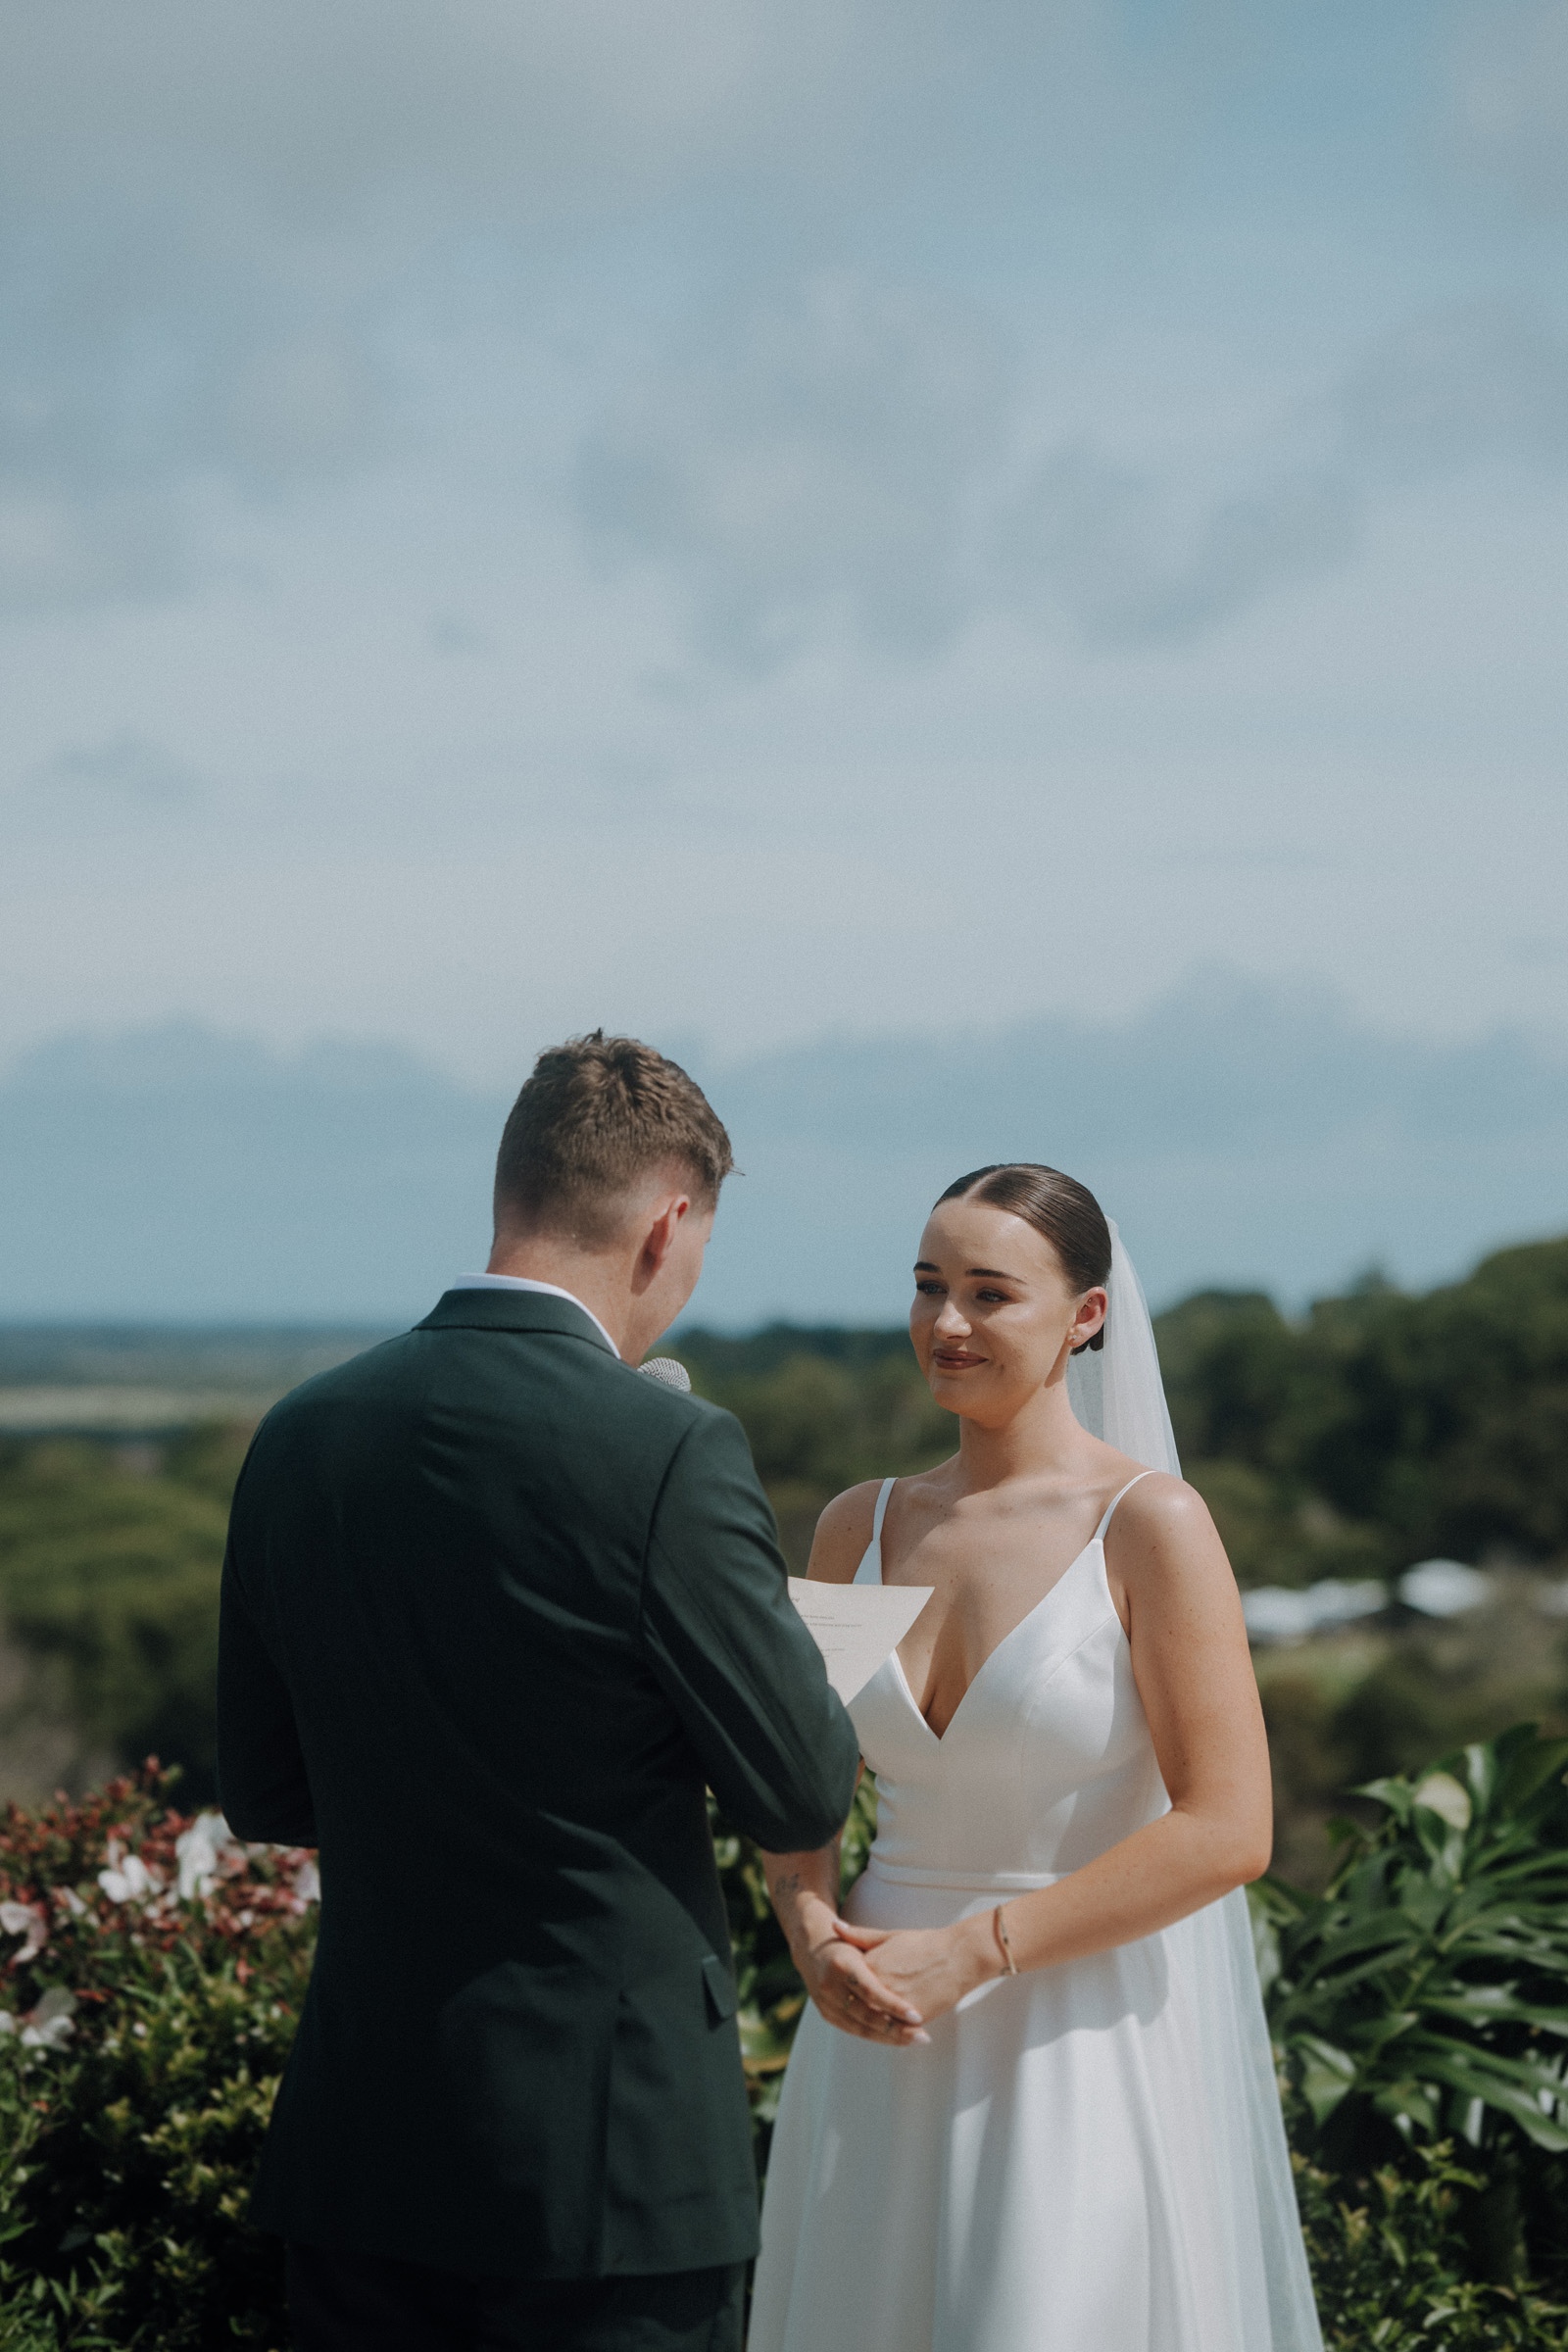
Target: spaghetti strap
{"points": [[1110, 1505], [888, 1485]]}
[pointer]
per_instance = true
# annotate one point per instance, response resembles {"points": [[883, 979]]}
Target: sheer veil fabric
{"points": [[1116, 1390], [1088, 2156], [1118, 1394]]}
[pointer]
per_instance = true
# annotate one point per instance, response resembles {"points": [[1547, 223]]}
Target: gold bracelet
{"points": [[1008, 1962]]}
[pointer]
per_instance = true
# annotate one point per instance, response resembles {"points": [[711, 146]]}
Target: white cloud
{"points": [[64, 544], [146, 361], [823, 463], [124, 776], [223, 223], [1509, 95], [1104, 367], [1476, 383], [324, 113], [851, 457], [1131, 560]]}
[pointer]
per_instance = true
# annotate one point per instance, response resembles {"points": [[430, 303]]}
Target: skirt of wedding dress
{"points": [[1088, 2158]]}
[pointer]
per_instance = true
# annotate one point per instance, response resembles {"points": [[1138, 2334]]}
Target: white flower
{"points": [[72, 1901], [30, 1919], [199, 1850], [46, 2028], [131, 1883], [307, 1882]]}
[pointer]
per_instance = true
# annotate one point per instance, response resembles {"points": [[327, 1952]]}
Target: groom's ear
{"points": [[670, 1213]]}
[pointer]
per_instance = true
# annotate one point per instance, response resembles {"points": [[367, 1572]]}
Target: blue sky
{"points": [[756, 526]]}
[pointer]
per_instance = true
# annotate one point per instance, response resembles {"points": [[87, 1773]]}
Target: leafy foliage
{"points": [[1376, 1430], [110, 1578], [1390, 2261], [1425, 1993], [155, 1971], [1382, 1427], [1419, 2003], [151, 2013], [822, 1411]]}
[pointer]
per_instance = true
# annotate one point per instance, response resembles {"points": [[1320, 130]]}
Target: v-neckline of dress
{"points": [[941, 1738]]}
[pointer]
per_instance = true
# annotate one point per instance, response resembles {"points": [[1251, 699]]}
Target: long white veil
{"points": [[1116, 1390], [1118, 1394]]}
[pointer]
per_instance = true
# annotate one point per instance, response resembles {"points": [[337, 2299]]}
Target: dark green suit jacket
{"points": [[496, 1613]]}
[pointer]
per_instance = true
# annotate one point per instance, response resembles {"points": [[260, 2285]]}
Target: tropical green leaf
{"points": [[1440, 1793], [1429, 1979], [1326, 2074]]}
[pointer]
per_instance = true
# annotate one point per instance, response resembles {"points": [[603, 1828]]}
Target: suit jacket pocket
{"points": [[720, 1983]]}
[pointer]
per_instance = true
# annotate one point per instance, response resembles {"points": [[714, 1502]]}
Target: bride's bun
{"points": [[1061, 1211]]}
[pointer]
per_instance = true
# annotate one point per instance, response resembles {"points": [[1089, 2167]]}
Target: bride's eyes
{"points": [[929, 1289], [988, 1297]]}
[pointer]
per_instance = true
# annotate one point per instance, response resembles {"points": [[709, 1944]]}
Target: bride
{"points": [[1033, 2109]]}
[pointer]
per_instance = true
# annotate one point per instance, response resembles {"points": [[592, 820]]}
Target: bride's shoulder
{"points": [[1163, 1522], [844, 1532], [1159, 1498]]}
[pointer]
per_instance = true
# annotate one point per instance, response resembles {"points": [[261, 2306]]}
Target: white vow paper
{"points": [[857, 1626]]}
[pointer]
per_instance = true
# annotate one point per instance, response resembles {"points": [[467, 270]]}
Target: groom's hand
{"points": [[843, 1985], [804, 1890], [929, 1968], [852, 1996]]}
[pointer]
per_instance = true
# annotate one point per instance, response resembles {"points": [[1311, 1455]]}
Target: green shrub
{"points": [[155, 1976], [109, 1582], [1425, 1995], [820, 1419], [1391, 2262], [147, 2022]]}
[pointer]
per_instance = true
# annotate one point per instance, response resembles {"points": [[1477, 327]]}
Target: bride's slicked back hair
{"points": [[1061, 1211]]}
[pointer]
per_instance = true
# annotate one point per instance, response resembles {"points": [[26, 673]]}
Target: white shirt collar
{"points": [[524, 1281]]}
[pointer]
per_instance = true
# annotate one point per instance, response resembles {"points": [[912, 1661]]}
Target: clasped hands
{"points": [[888, 1984]]}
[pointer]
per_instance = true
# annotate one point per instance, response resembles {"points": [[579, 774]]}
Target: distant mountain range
{"points": [[1243, 1135]]}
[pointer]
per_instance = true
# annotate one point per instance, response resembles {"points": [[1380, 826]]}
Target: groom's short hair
{"points": [[597, 1115]]}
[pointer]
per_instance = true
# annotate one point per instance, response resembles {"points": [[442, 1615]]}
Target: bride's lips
{"points": [[947, 1361]]}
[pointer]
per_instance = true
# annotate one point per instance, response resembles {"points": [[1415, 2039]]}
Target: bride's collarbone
{"points": [[978, 1562], [1022, 1514]]}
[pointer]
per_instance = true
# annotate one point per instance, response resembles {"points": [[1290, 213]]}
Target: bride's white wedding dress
{"points": [[1089, 2157]]}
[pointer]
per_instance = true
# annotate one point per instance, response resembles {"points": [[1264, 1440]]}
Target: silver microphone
{"points": [[666, 1369]]}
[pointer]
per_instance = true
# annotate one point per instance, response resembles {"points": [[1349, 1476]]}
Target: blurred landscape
{"points": [[1338, 1451]]}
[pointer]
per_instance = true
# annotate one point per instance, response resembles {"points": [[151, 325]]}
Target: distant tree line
{"points": [[1377, 1430], [109, 1580]]}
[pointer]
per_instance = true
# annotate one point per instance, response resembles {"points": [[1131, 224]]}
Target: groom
{"points": [[496, 1613]]}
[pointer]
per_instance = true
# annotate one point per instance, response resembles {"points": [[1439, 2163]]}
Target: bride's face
{"points": [[993, 1315]]}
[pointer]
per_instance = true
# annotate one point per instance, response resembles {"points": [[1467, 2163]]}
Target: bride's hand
{"points": [[931, 1968], [847, 1991]]}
